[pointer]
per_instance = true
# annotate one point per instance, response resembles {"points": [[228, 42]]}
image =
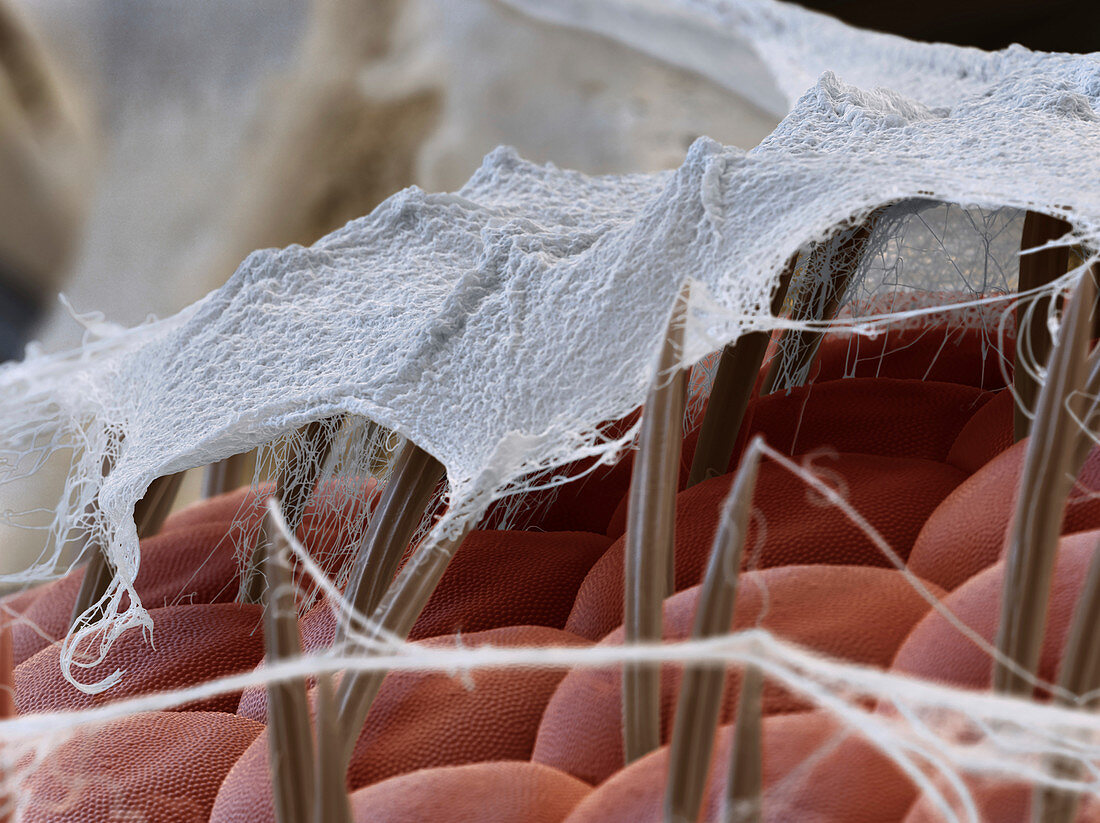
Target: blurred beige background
{"points": [[217, 128]]}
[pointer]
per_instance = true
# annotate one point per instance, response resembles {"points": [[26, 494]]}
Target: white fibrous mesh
{"points": [[500, 327]]}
